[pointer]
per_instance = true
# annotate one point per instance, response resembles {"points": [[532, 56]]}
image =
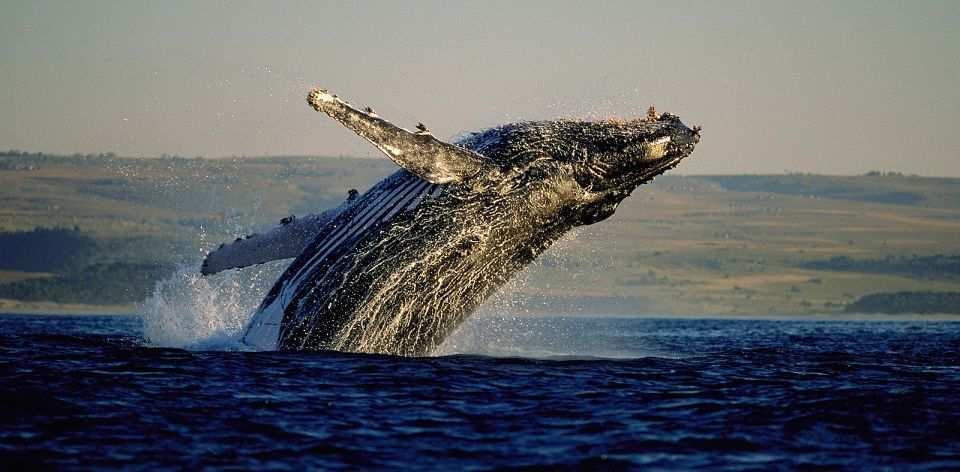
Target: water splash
{"points": [[549, 337], [507, 325], [189, 311]]}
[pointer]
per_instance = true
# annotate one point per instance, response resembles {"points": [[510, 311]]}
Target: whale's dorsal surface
{"points": [[398, 268]]}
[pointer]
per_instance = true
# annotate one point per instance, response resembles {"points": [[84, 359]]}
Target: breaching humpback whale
{"points": [[398, 268]]}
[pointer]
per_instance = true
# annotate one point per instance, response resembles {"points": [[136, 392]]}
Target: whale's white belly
{"points": [[264, 328]]}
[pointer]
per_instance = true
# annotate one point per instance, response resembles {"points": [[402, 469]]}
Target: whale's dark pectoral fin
{"points": [[419, 152]]}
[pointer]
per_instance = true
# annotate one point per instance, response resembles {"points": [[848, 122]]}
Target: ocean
{"points": [[597, 393]]}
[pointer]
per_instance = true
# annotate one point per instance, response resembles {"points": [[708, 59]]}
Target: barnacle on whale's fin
{"points": [[419, 152]]}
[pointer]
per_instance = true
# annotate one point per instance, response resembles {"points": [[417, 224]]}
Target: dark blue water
{"points": [[86, 392]]}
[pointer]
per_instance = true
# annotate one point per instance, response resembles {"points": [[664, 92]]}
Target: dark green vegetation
{"points": [[929, 267], [694, 244], [98, 284], [68, 258], [44, 249], [907, 302], [874, 187]]}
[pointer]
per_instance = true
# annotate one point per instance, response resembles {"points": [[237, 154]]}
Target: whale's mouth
{"points": [[641, 153], [650, 173], [668, 152]]}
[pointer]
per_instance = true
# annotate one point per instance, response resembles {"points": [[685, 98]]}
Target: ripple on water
{"points": [[88, 392]]}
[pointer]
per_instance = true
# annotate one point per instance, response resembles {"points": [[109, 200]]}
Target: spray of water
{"points": [[505, 326], [207, 313], [186, 310]]}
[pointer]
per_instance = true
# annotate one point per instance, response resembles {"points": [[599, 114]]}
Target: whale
{"points": [[396, 269]]}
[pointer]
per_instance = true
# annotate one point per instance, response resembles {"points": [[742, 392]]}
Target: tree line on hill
{"points": [[101, 284], [44, 249], [907, 302], [922, 267], [69, 254]]}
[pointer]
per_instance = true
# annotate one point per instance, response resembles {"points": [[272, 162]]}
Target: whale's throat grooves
{"points": [[418, 277]]}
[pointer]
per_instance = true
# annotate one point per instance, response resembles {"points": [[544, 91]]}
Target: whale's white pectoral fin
{"points": [[282, 242], [419, 152]]}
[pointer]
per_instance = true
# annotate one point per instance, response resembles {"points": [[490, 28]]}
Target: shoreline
{"points": [[17, 307]]}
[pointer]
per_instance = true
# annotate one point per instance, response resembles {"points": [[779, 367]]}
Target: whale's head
{"points": [[617, 156], [601, 161]]}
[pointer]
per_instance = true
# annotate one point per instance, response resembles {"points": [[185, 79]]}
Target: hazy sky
{"points": [[831, 87]]}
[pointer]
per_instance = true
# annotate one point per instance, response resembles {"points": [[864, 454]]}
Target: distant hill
{"points": [[684, 244], [44, 249], [907, 302], [894, 189], [934, 267]]}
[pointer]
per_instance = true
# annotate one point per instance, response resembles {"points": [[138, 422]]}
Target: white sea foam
{"points": [[205, 313], [504, 326]]}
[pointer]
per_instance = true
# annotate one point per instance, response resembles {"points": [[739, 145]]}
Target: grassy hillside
{"points": [[684, 244]]}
